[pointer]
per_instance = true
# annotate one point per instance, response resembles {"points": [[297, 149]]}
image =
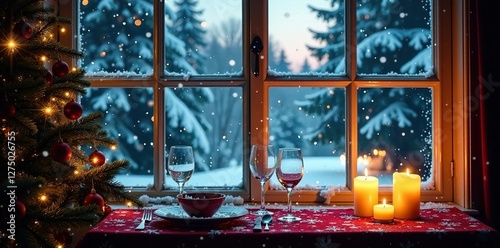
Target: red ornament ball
{"points": [[60, 68], [73, 110], [7, 110], [20, 210], [61, 152], [97, 158], [94, 198], [49, 77], [23, 30]]}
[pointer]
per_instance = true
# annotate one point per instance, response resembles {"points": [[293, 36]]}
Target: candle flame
{"points": [[408, 171], [384, 202], [366, 173]]}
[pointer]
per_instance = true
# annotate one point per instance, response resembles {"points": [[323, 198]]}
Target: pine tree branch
{"points": [[103, 179]]}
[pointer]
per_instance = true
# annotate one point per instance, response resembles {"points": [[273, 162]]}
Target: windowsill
{"points": [[251, 205]]}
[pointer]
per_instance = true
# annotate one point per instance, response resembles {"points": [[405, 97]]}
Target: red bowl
{"points": [[201, 204]]}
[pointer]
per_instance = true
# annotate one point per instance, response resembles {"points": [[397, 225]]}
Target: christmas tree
{"points": [[51, 187]]}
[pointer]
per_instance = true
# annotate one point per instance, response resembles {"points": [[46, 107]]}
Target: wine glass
{"points": [[180, 164], [262, 165], [289, 170]]}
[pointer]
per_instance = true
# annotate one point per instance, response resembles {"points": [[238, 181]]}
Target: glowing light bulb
{"points": [[11, 44]]}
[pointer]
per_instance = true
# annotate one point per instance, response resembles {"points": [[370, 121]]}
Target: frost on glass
{"points": [[203, 38], [128, 118], [210, 119], [312, 119], [116, 37], [395, 133], [306, 38], [394, 37]]}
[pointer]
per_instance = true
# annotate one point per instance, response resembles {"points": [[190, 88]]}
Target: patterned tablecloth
{"points": [[320, 227]]}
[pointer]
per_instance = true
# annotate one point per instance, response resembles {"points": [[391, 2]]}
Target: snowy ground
{"points": [[319, 171]]}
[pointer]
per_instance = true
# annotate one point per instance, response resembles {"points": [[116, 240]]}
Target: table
{"points": [[320, 227]]}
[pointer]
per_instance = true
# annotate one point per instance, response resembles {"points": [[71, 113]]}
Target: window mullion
{"points": [[351, 94], [158, 95]]}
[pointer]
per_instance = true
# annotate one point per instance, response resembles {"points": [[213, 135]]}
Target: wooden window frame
{"points": [[452, 141]]}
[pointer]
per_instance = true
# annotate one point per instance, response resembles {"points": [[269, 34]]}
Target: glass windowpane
{"points": [[128, 118], [297, 119], [306, 37], [395, 133], [117, 38], [394, 37], [203, 37], [209, 119]]}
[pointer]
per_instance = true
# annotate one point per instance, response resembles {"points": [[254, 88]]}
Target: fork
{"points": [[146, 217]]}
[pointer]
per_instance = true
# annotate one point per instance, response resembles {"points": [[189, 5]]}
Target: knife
{"points": [[258, 225]]}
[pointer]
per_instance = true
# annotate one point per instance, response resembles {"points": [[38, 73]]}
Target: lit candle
{"points": [[383, 213], [406, 195], [365, 194]]}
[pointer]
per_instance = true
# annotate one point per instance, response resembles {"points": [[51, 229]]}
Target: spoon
{"points": [[266, 219]]}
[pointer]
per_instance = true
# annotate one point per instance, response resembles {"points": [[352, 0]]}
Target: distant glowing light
{"points": [[43, 198], [138, 22], [232, 62], [63, 30], [203, 24]]}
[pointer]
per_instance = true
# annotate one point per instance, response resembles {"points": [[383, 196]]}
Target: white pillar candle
{"points": [[383, 213], [365, 195], [406, 195]]}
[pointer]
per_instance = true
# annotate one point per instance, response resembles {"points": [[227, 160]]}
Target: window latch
{"points": [[256, 47]]}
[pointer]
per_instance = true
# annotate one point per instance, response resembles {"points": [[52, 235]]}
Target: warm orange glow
{"points": [[407, 170], [138, 22], [76, 172], [43, 198], [383, 202], [48, 110], [43, 58], [85, 2], [113, 147], [63, 30], [11, 44], [129, 204]]}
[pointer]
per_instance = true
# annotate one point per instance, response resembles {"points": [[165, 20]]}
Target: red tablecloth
{"points": [[320, 227]]}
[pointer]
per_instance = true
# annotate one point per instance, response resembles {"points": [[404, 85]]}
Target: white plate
{"points": [[224, 214]]}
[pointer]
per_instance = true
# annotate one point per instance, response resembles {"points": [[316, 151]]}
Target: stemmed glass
{"points": [[262, 165], [289, 170], [180, 164]]}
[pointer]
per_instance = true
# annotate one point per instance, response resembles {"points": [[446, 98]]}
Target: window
{"points": [[356, 84]]}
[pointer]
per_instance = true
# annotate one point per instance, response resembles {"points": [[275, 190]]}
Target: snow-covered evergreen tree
{"points": [[393, 37], [187, 27]]}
